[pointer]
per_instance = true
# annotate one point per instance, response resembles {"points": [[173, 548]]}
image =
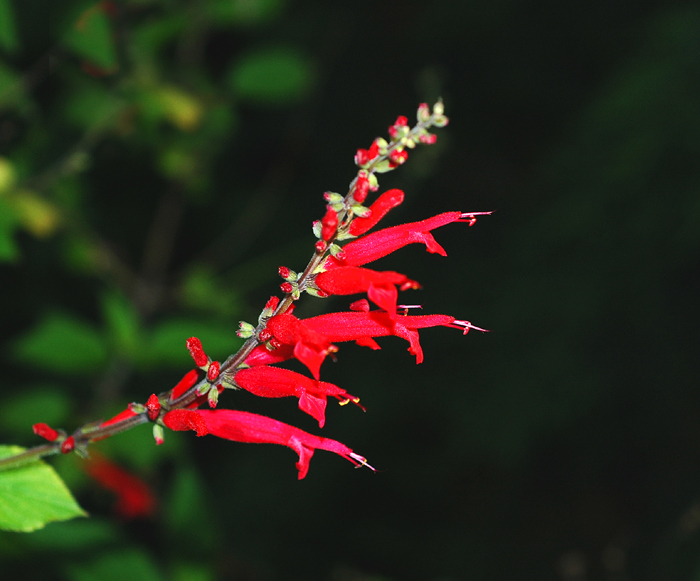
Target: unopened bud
{"points": [[158, 434], [45, 431], [245, 330], [67, 445], [213, 397], [153, 407], [423, 112], [194, 346], [213, 371], [329, 224]]}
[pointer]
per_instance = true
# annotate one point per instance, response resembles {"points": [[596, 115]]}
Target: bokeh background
{"points": [[159, 159]]}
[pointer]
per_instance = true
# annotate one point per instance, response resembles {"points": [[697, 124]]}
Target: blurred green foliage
{"points": [[159, 159]]}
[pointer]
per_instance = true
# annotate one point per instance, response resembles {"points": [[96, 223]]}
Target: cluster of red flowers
{"points": [[336, 271], [280, 335]]}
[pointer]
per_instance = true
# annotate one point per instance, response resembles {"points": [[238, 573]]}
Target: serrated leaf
{"points": [[272, 76], [91, 38], [8, 31], [63, 343], [33, 495]]}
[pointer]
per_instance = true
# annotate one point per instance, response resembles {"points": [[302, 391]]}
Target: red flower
{"points": [[388, 200], [379, 286], [378, 244], [254, 429], [309, 346], [265, 381], [134, 496], [361, 327]]}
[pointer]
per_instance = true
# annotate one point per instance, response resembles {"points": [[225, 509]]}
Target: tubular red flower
{"points": [[310, 347], [188, 381], [261, 355], [378, 244], [388, 200], [134, 496], [267, 381], [379, 286], [362, 327], [120, 417], [254, 429]]}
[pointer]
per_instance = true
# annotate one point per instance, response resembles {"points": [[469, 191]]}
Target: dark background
{"points": [[156, 184]]}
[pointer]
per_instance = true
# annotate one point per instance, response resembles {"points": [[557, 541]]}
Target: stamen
{"points": [[466, 325], [360, 461], [471, 216]]}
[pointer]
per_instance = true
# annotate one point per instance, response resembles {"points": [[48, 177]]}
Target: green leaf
{"points": [[33, 495], [123, 324], [32, 405], [91, 37], [64, 344], [8, 32], [272, 76], [132, 564], [74, 535]]}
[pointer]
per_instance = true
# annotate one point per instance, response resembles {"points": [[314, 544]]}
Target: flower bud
{"points": [[361, 188], [194, 346], [68, 445], [329, 224], [213, 371], [45, 431], [423, 112], [153, 407], [158, 434], [245, 330]]}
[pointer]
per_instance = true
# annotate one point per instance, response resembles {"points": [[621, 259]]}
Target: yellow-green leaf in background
{"points": [[33, 495]]}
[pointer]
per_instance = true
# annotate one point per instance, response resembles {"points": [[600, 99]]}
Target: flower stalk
{"points": [[335, 268]]}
